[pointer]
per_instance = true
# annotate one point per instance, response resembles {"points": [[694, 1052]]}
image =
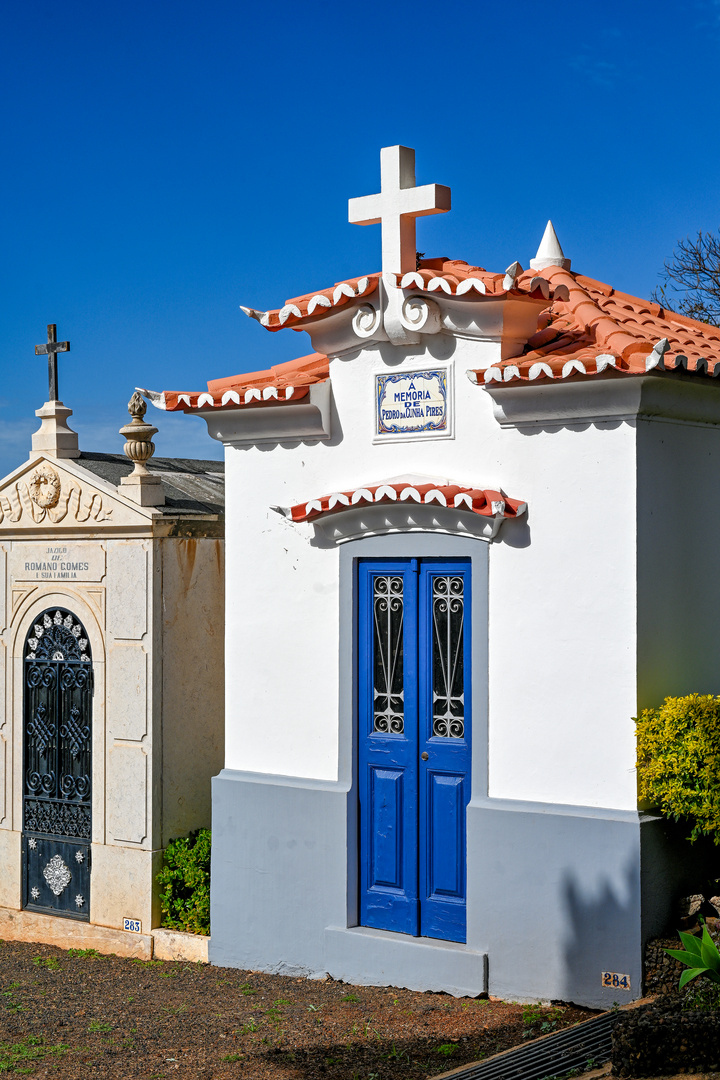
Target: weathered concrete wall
{"points": [[193, 686]]}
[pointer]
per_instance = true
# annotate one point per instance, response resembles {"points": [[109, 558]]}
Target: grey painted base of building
{"points": [[368, 957], [556, 894]]}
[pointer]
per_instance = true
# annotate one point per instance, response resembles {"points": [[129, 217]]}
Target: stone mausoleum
{"points": [[111, 666]]}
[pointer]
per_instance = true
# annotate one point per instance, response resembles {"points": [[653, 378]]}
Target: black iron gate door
{"points": [[57, 708]]}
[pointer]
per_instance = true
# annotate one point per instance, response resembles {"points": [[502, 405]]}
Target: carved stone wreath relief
{"points": [[44, 495], [44, 487]]}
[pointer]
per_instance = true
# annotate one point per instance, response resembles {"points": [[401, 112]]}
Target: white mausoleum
{"points": [[467, 540], [111, 631]]}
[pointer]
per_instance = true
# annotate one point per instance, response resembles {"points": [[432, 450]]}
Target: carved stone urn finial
{"points": [[141, 486], [136, 406], [139, 446]]}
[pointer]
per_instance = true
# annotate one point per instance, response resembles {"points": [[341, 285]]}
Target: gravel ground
{"points": [[78, 1015]]}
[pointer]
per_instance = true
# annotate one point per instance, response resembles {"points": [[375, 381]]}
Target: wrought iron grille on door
{"points": [[57, 708]]}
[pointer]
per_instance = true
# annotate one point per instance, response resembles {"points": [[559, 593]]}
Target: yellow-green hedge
{"points": [[678, 760]]}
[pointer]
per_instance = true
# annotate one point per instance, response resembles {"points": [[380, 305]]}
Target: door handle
{"points": [[424, 755]]}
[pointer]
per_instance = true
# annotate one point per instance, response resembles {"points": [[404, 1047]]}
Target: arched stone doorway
{"points": [[57, 765]]}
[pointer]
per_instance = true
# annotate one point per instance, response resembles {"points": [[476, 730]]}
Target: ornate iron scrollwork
{"points": [[448, 678], [75, 731], [58, 818], [57, 764], [41, 728], [388, 692]]}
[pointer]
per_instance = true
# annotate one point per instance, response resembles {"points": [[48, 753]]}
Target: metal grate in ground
{"points": [[583, 1046]]}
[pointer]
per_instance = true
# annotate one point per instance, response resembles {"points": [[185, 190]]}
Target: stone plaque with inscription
{"points": [[57, 562]]}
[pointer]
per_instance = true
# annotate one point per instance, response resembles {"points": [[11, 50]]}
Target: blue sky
{"points": [[165, 162]]}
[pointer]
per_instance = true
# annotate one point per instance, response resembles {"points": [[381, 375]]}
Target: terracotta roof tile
{"points": [[477, 500], [587, 328], [599, 329], [453, 277], [282, 383]]}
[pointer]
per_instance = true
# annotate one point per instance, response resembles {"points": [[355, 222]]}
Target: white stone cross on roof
{"points": [[396, 207]]}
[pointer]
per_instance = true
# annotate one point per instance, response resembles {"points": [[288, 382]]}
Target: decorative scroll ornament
{"points": [[79, 900], [79, 857], [35, 893], [367, 321], [421, 315], [32, 843], [57, 875], [402, 318], [44, 487], [36, 500]]}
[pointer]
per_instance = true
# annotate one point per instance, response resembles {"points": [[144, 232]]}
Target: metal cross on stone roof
{"points": [[396, 207], [52, 348]]}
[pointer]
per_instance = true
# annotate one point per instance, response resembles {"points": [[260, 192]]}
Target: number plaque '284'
{"points": [[615, 980]]}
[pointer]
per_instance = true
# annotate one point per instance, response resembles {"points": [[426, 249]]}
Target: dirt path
{"points": [[73, 1015]]}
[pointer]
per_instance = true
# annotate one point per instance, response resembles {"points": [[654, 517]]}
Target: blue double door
{"points": [[414, 672]]}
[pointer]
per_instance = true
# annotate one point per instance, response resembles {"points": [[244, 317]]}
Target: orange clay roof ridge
{"points": [[452, 276], [595, 314], [595, 328], [636, 302], [599, 313], [303, 371]]}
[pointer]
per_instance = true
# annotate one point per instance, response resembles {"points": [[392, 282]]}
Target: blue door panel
{"points": [[386, 832], [446, 811], [388, 760], [414, 723], [444, 669]]}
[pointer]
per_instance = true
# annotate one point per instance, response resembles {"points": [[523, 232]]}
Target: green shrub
{"points": [[185, 883], [678, 759]]}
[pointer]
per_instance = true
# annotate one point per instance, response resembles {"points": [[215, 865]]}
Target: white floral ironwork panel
{"points": [[59, 636], [448, 675], [388, 692], [57, 874]]}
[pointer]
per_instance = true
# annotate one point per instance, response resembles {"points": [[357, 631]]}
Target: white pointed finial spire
{"points": [[396, 207], [549, 253]]}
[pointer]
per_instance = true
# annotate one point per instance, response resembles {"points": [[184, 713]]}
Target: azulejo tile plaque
{"points": [[412, 402]]}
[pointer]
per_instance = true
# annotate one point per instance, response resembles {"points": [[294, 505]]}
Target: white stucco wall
{"points": [[562, 607]]}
